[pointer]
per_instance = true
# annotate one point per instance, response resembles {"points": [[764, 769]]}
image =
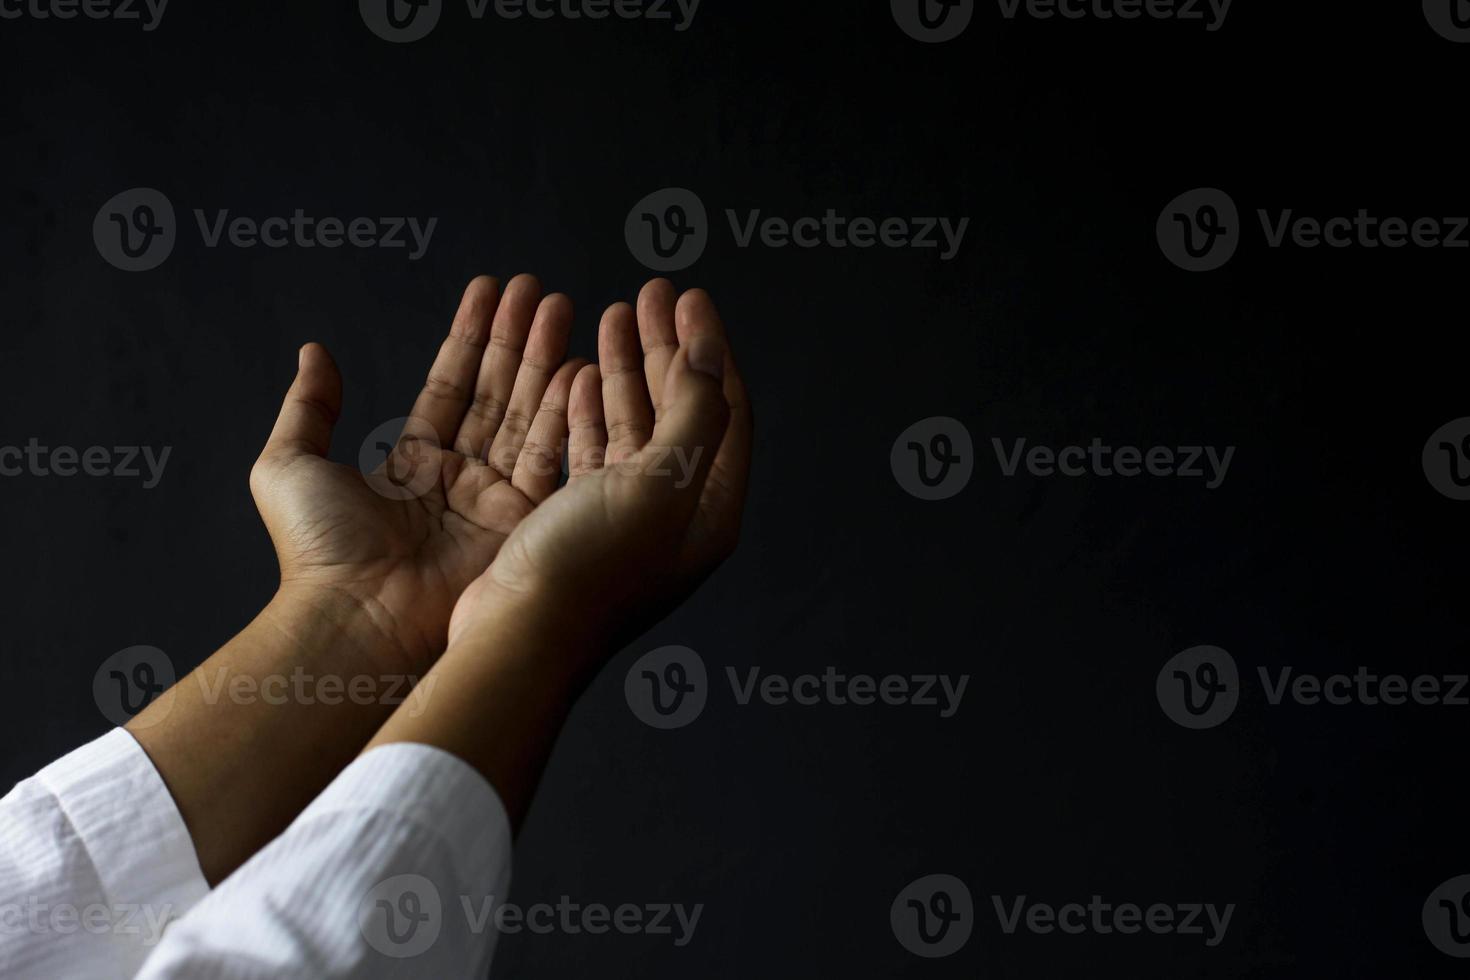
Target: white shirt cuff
{"points": [[129, 825], [370, 881], [427, 786]]}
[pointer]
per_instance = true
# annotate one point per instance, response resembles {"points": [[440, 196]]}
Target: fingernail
{"points": [[707, 356]]}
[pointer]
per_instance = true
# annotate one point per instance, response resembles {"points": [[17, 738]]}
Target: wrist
{"points": [[316, 617], [547, 638], [502, 690]]}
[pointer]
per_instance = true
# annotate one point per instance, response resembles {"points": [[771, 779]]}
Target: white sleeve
{"points": [[94, 862], [377, 878]]}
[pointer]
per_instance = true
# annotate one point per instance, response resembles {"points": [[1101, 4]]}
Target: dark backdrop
{"points": [[1326, 548]]}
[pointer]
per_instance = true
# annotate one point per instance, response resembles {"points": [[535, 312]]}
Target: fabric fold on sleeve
{"points": [[95, 861], [378, 878]]}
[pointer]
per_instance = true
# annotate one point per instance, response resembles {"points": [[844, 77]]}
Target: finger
{"points": [[625, 404], [538, 468], [682, 451], [696, 316], [546, 348], [587, 441], [311, 407], [499, 366], [657, 333], [451, 379]]}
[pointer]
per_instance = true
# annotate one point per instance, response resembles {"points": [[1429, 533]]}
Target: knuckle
{"points": [[440, 387], [488, 407], [516, 420]]}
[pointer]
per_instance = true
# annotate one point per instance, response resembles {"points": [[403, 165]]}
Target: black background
{"points": [[1060, 320]]}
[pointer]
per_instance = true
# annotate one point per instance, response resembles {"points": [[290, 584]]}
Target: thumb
{"points": [[694, 417], [311, 407]]}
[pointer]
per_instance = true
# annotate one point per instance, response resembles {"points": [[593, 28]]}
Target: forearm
{"points": [[251, 736], [501, 693]]}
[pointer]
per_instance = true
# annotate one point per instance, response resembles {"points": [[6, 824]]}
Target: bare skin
{"points": [[621, 544], [368, 581], [497, 392]]}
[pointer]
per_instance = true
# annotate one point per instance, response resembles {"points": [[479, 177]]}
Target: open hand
{"points": [[658, 456], [482, 447]]}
